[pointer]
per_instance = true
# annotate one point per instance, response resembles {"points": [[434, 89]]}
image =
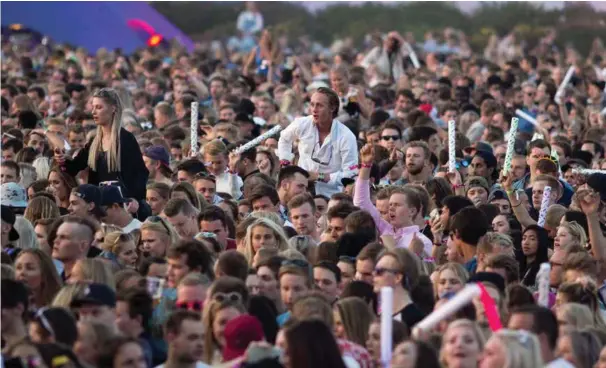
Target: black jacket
{"points": [[133, 175]]}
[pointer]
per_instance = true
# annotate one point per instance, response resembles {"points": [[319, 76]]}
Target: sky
{"points": [[467, 6]]}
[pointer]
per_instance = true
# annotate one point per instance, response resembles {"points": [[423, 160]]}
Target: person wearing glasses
{"points": [[113, 155], [328, 150]]}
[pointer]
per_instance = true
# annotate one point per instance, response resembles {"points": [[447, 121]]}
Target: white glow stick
{"points": [[451, 146], [461, 299], [194, 129], [255, 142], [527, 117], [413, 56], [588, 171], [565, 81], [511, 142], [544, 206], [386, 325], [543, 284]]}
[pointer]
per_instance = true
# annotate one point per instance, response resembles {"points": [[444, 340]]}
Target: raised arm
{"points": [[362, 190], [519, 210], [590, 204]]}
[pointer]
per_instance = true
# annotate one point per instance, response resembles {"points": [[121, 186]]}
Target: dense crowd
{"points": [[124, 247]]}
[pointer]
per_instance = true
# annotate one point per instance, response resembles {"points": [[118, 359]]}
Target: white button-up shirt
{"points": [[337, 156]]}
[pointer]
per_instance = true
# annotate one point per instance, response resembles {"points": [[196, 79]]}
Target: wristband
{"points": [[284, 162], [457, 186], [366, 166]]}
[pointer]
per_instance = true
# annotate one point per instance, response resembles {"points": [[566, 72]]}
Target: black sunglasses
{"points": [[390, 137], [295, 262], [156, 219]]}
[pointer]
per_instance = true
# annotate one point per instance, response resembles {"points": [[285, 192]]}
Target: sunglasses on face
{"points": [[431, 90], [380, 271], [232, 297], [390, 137], [192, 305]]}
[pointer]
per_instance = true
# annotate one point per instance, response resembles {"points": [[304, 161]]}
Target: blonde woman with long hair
{"points": [[121, 249], [569, 234], [114, 154], [93, 270], [512, 349], [157, 235], [263, 233]]}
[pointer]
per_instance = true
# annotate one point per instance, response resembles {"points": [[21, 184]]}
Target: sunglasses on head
{"points": [[205, 175], [295, 262], [191, 305], [380, 271], [156, 219]]}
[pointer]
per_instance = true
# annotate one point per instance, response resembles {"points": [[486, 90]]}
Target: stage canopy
{"points": [[93, 25]]}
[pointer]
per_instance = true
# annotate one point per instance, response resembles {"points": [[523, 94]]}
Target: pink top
{"points": [[403, 236]]}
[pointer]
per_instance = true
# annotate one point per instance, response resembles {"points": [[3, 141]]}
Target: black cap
{"points": [[8, 216], [347, 181], [90, 194], [597, 182], [96, 294], [14, 293], [494, 278], [243, 117], [111, 194]]}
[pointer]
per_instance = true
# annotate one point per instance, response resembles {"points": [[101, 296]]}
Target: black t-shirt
{"points": [[410, 315]]}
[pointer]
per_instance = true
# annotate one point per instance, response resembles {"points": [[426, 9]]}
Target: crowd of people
{"points": [[124, 248]]}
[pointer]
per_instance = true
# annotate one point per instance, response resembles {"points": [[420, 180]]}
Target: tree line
{"points": [[577, 23]]}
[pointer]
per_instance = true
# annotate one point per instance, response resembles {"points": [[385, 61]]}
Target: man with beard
{"points": [[417, 162], [184, 332]]}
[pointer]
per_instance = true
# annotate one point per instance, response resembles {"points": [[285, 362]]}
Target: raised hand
{"points": [[234, 159], [367, 154], [589, 201]]}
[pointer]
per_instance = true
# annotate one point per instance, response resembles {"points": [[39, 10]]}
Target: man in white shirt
{"points": [[328, 150], [112, 203]]}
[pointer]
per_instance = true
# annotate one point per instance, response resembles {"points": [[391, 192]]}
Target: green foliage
{"points": [[204, 20]]}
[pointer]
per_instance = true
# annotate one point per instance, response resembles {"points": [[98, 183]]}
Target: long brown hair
{"points": [[50, 280]]}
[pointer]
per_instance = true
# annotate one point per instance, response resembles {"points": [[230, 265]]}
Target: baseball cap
{"points": [[111, 194], [9, 217], [597, 182], [478, 146], [90, 194], [497, 193], [13, 293], [476, 181], [239, 333], [13, 195], [158, 153], [488, 157], [97, 294], [494, 278], [243, 117]]}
